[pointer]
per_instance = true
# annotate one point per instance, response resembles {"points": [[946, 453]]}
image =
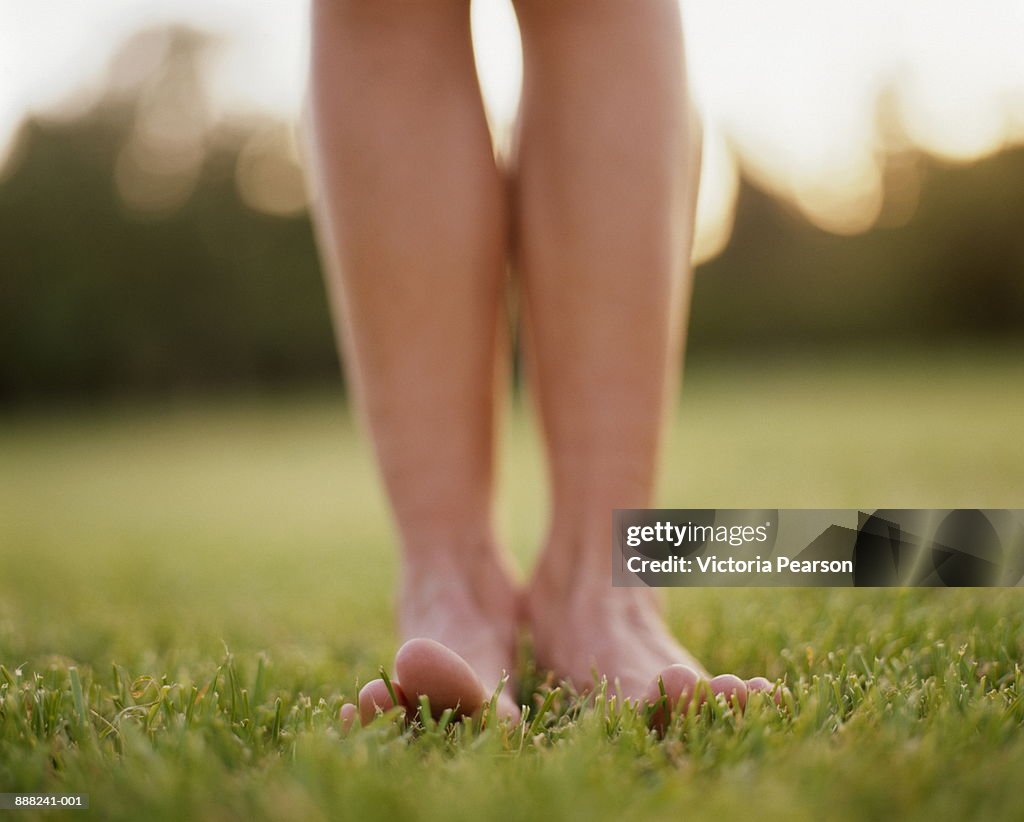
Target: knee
{"points": [[384, 8], [607, 13], [559, 8], [529, 10]]}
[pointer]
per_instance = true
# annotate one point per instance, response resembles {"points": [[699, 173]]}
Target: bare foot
{"points": [[583, 626], [459, 620]]}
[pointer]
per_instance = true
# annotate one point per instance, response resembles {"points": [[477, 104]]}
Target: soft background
{"points": [[186, 499]]}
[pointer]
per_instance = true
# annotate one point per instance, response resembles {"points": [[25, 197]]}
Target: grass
{"points": [[188, 591]]}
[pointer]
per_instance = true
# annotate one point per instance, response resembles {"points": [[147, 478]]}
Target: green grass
{"points": [[189, 590]]}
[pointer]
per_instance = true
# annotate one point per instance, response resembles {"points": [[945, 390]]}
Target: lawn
{"points": [[188, 589]]}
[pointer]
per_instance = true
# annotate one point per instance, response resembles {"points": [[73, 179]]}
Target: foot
{"points": [[459, 620], [582, 626]]}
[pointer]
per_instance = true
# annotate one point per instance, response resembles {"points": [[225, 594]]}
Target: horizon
{"points": [[791, 93]]}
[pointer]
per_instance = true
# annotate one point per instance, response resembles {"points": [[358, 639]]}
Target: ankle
{"points": [[456, 548], [573, 561], [438, 565]]}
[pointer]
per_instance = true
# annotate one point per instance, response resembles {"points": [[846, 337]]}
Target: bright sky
{"points": [[789, 84]]}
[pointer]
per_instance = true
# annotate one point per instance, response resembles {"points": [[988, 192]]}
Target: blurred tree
{"points": [[128, 258], [145, 245], [952, 268]]}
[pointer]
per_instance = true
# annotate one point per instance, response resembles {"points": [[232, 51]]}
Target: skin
{"points": [[608, 157], [413, 223], [417, 228]]}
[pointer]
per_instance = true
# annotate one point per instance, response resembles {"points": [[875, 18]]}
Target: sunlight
{"points": [[792, 87]]}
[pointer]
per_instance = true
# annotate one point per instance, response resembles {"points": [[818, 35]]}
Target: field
{"points": [[189, 588]]}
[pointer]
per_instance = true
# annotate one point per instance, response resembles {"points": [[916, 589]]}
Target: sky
{"points": [[788, 88]]}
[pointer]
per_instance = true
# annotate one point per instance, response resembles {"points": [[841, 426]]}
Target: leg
{"points": [[412, 225], [608, 161]]}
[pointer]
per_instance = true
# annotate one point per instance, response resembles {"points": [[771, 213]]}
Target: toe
{"points": [[732, 688], [375, 697], [760, 683], [347, 716], [428, 668], [506, 708], [681, 685]]}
